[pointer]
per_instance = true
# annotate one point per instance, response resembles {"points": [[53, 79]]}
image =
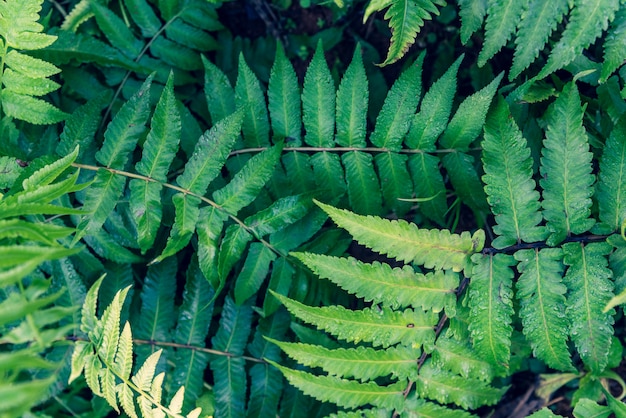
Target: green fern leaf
{"points": [[491, 309], [157, 306], [394, 179], [446, 387], [502, 18], [611, 193], [187, 214], [394, 119], [536, 25], [219, 94], [300, 174], [254, 271], [22, 84], [30, 66], [209, 229], [144, 377], [463, 175], [190, 36], [434, 112], [125, 396], [80, 13], [352, 103], [406, 17], [278, 215], [382, 327], [540, 293], [217, 143], [194, 318], [329, 175], [472, 14], [362, 183], [142, 14], [613, 53], [406, 242], [247, 183], [420, 408], [124, 356], [175, 55], [428, 186], [566, 169], [80, 129], [378, 282], [469, 118], [318, 106], [362, 413], [508, 181], [30, 109], [250, 97], [588, 20], [111, 328], [458, 357], [361, 363], [228, 371], [19, 25], [345, 393], [125, 129], [283, 95], [236, 238], [280, 282], [100, 200], [116, 31], [588, 408], [145, 203], [169, 8], [590, 288]]}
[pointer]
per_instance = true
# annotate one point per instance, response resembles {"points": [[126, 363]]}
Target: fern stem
{"points": [[197, 348], [59, 8], [187, 192]]}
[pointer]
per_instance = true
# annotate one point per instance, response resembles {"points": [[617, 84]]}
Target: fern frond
{"points": [[491, 309], [428, 186], [394, 178], [469, 119], [461, 169], [420, 408], [250, 97], [232, 248], [446, 387], [142, 14], [566, 169], [590, 288], [458, 357], [254, 271], [283, 95], [502, 18], [406, 242], [472, 14], [540, 292], [508, 181], [318, 106], [382, 327], [361, 363], [613, 53], [406, 17], [362, 183], [588, 20], [611, 193], [220, 95], [394, 118], [229, 372], [434, 112], [352, 103], [537, 23], [345, 393], [379, 282], [116, 31]]}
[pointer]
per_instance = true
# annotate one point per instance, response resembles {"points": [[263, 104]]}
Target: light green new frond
{"points": [[491, 309], [210, 154], [318, 102], [458, 357], [250, 97], [536, 25], [162, 141], [472, 14], [590, 288], [566, 169], [248, 182], [382, 327], [469, 119], [352, 103], [508, 181], [406, 17], [362, 183], [111, 328], [588, 20], [540, 292], [126, 128], [124, 357], [379, 283], [394, 119], [611, 189], [145, 375], [446, 387], [283, 95], [614, 54], [19, 26], [219, 94], [434, 112], [362, 413], [345, 393], [406, 242], [363, 363], [30, 109], [502, 18]]}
